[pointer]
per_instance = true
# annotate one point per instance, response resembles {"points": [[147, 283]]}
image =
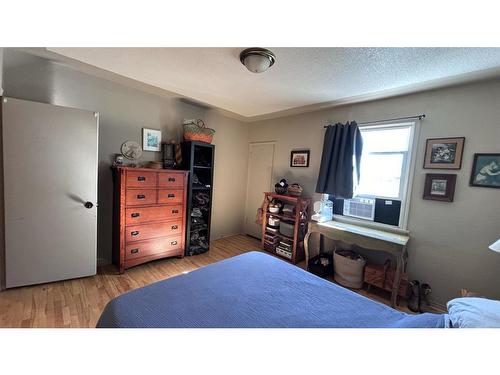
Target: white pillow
{"points": [[472, 312]]}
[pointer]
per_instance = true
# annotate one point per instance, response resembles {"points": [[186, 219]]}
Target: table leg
{"points": [[397, 279], [306, 249]]}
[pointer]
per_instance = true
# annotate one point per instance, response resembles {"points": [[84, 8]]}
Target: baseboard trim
{"points": [[438, 306], [249, 235], [103, 262], [226, 235]]}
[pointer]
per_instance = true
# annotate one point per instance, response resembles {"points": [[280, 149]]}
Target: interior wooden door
{"points": [[50, 191], [260, 171]]}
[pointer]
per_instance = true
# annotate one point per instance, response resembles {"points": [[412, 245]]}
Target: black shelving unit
{"points": [[198, 159]]}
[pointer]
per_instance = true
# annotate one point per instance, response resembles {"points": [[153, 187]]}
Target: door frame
{"points": [[250, 144]]}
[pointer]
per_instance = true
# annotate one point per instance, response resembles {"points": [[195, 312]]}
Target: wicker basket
{"points": [[295, 190], [348, 272], [196, 131]]}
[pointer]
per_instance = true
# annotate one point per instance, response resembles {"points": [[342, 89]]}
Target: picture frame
{"points": [[440, 187], [444, 153], [151, 139], [486, 170], [299, 158]]}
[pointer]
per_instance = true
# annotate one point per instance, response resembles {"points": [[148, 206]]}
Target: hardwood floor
{"points": [[78, 303]]}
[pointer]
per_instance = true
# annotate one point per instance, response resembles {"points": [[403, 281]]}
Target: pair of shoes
{"points": [[196, 212], [418, 300]]}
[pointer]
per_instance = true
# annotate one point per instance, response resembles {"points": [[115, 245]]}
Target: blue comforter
{"points": [[249, 291]]}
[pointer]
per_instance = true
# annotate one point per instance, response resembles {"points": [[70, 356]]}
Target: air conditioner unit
{"points": [[363, 208]]}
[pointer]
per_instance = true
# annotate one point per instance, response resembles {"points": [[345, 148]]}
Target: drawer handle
{"points": [[134, 251], [174, 227], [141, 196], [171, 179], [171, 196], [175, 211], [135, 214], [141, 178], [173, 243], [134, 233]]}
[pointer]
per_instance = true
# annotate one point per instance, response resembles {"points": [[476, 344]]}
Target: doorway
{"points": [[260, 174], [50, 192]]}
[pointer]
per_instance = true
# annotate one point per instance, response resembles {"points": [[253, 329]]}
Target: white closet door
{"points": [[50, 190], [260, 171]]}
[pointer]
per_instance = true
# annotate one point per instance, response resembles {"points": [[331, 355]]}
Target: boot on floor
{"points": [[414, 297], [425, 291]]}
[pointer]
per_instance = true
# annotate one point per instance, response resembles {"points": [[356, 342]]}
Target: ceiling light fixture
{"points": [[257, 60]]}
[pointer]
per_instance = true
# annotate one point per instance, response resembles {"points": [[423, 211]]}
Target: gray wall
{"points": [[449, 241], [1, 71], [124, 112]]}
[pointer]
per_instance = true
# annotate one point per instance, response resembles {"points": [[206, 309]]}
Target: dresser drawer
{"points": [[143, 249], [138, 197], [174, 212], [141, 179], [170, 196], [137, 215], [170, 180], [153, 230]]}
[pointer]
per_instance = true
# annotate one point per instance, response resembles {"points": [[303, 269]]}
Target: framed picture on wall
{"points": [[151, 139], [444, 153], [486, 171], [440, 187], [299, 158]]}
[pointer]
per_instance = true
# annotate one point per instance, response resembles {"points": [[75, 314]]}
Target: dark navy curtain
{"points": [[341, 153]]}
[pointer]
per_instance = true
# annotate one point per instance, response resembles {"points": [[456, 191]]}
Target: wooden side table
{"points": [[367, 238]]}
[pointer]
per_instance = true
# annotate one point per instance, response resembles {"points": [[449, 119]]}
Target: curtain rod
{"points": [[420, 117]]}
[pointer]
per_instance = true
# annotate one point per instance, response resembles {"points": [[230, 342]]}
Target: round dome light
{"points": [[257, 60]]}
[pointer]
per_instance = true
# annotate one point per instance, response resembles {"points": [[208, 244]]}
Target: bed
{"points": [[253, 290]]}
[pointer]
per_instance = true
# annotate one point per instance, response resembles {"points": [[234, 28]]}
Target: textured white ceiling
{"points": [[300, 77]]}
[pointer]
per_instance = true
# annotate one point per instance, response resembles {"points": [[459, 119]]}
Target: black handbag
{"points": [[321, 265]]}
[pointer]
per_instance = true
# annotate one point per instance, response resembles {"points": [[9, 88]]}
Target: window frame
{"points": [[408, 172]]}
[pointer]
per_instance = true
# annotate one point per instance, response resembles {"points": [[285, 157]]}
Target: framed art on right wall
{"points": [[440, 187], [486, 171], [444, 153]]}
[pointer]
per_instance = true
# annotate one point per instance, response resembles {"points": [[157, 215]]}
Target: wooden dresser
{"points": [[149, 215]]}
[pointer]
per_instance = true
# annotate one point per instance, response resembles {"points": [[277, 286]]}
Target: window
{"points": [[384, 175], [384, 161]]}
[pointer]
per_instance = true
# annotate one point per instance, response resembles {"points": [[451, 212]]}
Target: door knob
{"points": [[88, 205]]}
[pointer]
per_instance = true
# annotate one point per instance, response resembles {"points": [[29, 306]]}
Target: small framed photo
{"points": [[440, 187], [299, 158], [486, 171], [151, 139], [444, 153]]}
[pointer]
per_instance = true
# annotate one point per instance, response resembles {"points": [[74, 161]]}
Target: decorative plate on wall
{"points": [[131, 150]]}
